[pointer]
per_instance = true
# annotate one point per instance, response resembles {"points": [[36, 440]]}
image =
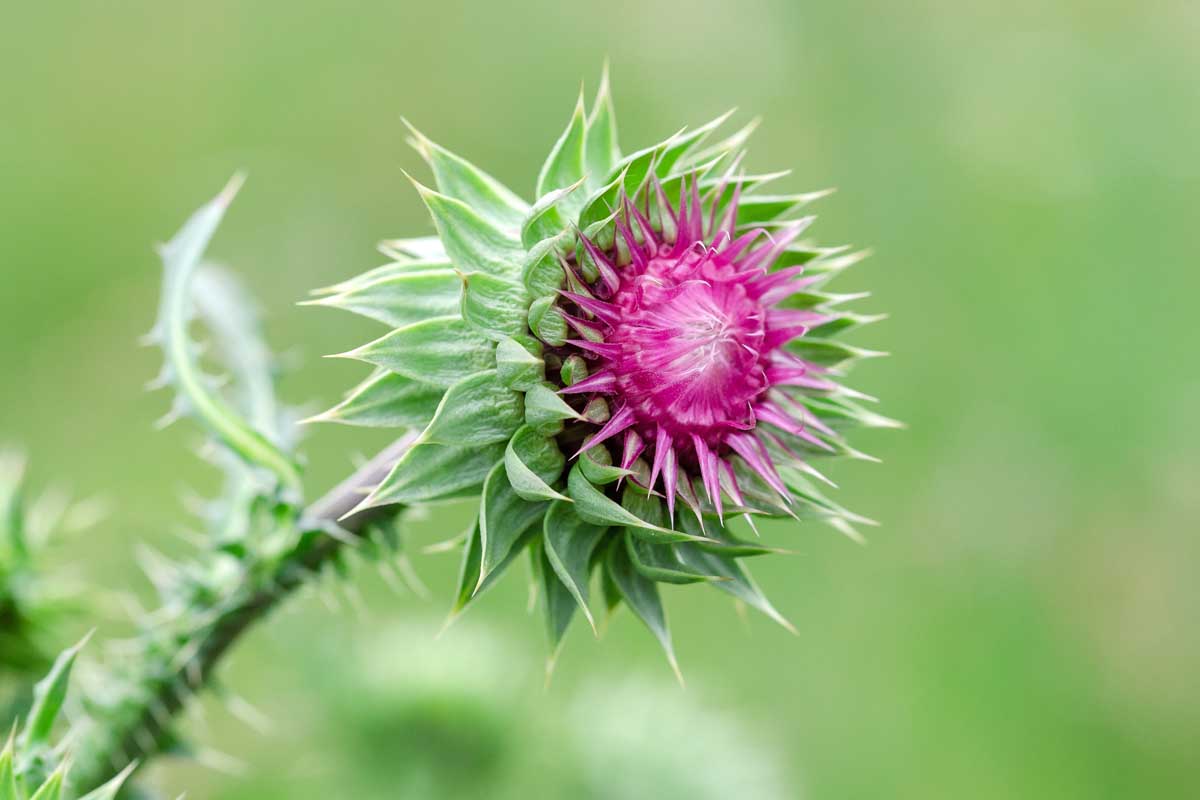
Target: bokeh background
{"points": [[1024, 623]]}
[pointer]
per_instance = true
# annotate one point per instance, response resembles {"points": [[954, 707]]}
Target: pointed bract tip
{"points": [[231, 189]]}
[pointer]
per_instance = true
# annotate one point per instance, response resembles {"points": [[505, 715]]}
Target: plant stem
{"points": [[111, 744]]}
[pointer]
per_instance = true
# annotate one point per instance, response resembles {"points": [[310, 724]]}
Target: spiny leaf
{"points": [[52, 788], [48, 697], [680, 144], [660, 562], [473, 243], [738, 581], [564, 166], [532, 463], [478, 410], [441, 351], [541, 271], [553, 212], [570, 543], [545, 410], [755, 209], [387, 400], [595, 507], [109, 790], [827, 352], [641, 595], [598, 467], [503, 518], [558, 602], [385, 272], [602, 150], [8, 778], [181, 257], [458, 178], [432, 472], [399, 300]]}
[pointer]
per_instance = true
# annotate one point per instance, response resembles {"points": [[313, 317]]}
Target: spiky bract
{"points": [[650, 332]]}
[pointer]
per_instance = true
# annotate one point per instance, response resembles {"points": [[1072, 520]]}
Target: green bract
{"points": [[483, 347]]}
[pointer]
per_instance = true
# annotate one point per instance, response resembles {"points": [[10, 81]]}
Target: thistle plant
{"points": [[34, 601], [32, 765], [619, 369], [625, 373]]}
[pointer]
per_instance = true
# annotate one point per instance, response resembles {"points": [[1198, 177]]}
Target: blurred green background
{"points": [[1024, 624]]}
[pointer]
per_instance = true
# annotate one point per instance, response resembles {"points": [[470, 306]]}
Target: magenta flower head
{"points": [[628, 370]]}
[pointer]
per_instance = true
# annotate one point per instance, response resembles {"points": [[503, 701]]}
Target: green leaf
{"points": [[542, 273], [598, 467], [551, 215], [641, 595], [385, 272], [828, 353], [109, 790], [440, 351], [52, 788], [738, 581], [632, 172], [558, 603], [564, 166], [682, 143], [724, 543], [595, 507], [841, 413], [387, 400], [458, 178], [533, 462], [473, 243], [659, 562], [478, 410], [401, 299], [48, 697], [545, 410], [547, 322], [601, 151], [494, 307], [519, 362], [8, 778], [468, 570], [755, 209], [570, 543], [181, 257], [503, 518], [432, 471]]}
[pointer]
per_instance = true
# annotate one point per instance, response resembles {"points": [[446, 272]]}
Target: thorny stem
{"points": [[148, 733]]}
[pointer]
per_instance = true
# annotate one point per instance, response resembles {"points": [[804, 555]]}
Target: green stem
{"points": [[107, 745]]}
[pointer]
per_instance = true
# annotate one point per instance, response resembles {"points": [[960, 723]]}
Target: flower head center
{"points": [[689, 348]]}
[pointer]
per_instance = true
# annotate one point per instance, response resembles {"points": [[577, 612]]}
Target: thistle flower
{"points": [[620, 368]]}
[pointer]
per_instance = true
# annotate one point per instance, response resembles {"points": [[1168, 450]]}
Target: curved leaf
{"points": [[533, 462], [503, 519], [430, 471], [440, 351], [595, 507], [399, 300], [641, 595], [387, 400], [570, 543], [473, 243], [458, 178], [478, 410]]}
